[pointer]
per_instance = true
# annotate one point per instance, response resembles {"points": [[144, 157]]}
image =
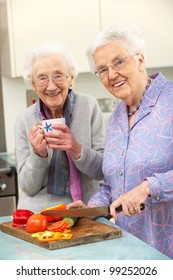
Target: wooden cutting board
{"points": [[84, 231]]}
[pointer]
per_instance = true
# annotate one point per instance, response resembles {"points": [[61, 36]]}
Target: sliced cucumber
{"points": [[70, 220]]}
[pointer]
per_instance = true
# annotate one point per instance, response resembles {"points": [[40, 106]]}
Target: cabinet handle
{"points": [[2, 187]]}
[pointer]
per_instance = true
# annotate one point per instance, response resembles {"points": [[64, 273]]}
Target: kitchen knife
{"points": [[84, 212]]}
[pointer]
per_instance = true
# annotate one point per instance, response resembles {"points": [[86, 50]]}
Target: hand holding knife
{"points": [[84, 212]]}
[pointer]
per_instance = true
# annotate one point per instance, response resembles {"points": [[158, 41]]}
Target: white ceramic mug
{"points": [[47, 124]]}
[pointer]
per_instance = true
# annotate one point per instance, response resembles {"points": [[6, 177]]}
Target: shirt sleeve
{"points": [[161, 187], [102, 197]]}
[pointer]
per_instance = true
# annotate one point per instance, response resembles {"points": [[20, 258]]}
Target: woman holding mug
{"points": [[66, 164]]}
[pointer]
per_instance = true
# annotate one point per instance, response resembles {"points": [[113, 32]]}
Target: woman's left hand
{"points": [[64, 140], [78, 204], [131, 201]]}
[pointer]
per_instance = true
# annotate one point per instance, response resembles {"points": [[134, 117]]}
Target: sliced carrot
{"points": [[60, 225]]}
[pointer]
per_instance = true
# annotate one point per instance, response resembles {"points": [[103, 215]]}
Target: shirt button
{"points": [[121, 173], [122, 153], [157, 198]]}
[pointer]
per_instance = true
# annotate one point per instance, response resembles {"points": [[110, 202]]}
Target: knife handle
{"points": [[119, 208]]}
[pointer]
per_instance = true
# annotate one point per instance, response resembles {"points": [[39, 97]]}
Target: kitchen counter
{"points": [[10, 158], [126, 247]]}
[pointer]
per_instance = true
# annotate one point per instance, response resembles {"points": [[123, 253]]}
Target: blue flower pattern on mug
{"points": [[48, 127]]}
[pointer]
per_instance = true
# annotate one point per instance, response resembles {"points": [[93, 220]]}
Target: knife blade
{"points": [[84, 212]]}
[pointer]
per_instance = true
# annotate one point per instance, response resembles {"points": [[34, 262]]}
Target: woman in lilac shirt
{"points": [[138, 156]]}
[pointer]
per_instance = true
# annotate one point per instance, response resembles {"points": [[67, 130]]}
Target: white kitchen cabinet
{"points": [[155, 19], [27, 23]]}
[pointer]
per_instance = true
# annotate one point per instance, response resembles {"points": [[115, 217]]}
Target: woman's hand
{"points": [[77, 204], [131, 201], [37, 140], [64, 140]]}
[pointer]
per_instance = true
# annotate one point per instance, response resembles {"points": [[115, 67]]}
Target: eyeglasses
{"points": [[117, 65], [43, 80]]}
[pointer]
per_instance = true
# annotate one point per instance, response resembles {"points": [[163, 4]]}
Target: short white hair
{"points": [[49, 49], [130, 35]]}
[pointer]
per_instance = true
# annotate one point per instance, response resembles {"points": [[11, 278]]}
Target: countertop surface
{"points": [[126, 247], [10, 158]]}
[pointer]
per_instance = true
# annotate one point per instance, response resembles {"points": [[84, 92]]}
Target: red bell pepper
{"points": [[20, 217], [51, 219]]}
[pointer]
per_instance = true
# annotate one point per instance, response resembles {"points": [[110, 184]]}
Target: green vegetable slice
{"points": [[70, 220]]}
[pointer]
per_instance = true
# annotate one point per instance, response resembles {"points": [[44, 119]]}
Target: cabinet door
{"points": [[155, 19], [32, 22]]}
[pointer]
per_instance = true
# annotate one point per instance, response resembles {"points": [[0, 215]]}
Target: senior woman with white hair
{"points": [[138, 155], [62, 166]]}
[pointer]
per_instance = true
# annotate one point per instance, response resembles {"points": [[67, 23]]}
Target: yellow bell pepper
{"points": [[47, 235]]}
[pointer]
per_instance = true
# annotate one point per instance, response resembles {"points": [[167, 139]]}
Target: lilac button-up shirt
{"points": [[143, 152]]}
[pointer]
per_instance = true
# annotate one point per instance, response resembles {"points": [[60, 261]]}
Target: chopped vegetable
{"points": [[66, 223], [20, 217], [58, 230], [59, 226], [51, 219], [55, 207], [70, 220], [66, 236], [47, 235]]}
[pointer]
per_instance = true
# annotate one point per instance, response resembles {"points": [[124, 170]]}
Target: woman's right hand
{"points": [[37, 140]]}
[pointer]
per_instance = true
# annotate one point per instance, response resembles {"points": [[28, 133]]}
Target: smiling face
{"points": [[127, 83], [54, 92]]}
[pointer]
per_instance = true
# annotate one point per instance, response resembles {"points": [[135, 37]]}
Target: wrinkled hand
{"points": [[131, 201], [64, 140], [77, 204], [37, 140]]}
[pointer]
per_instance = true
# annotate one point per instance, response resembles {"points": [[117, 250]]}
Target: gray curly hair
{"points": [[131, 36], [49, 49]]}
